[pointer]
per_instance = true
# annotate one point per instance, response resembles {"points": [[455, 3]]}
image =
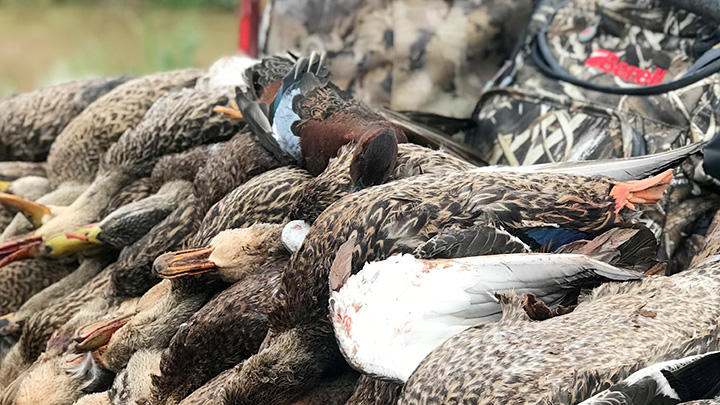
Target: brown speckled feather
{"points": [[335, 181], [76, 153], [264, 198], [30, 122], [396, 218], [235, 322], [21, 280], [618, 330]]}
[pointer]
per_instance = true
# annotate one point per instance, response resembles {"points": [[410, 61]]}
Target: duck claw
{"points": [[231, 112], [19, 248], [645, 191], [537, 310]]}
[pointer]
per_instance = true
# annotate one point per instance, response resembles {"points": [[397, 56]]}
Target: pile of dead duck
{"points": [[251, 234]]}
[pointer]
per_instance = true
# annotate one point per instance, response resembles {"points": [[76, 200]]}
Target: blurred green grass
{"points": [[49, 41]]}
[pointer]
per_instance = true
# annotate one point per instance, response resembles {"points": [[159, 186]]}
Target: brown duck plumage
{"points": [[396, 218], [336, 181], [30, 122], [627, 326]]}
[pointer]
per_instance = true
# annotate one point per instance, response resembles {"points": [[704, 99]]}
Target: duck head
{"points": [[375, 156], [232, 254]]}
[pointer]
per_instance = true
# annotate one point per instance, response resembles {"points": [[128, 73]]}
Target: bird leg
{"points": [[19, 248], [539, 311], [33, 211], [645, 191], [232, 112]]}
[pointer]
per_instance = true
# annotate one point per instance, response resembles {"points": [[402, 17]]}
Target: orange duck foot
{"points": [[19, 248], [646, 191], [232, 112], [539, 311]]}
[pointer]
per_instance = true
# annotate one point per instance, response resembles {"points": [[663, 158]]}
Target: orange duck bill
{"points": [[97, 334], [184, 263], [19, 248], [646, 191], [32, 210]]}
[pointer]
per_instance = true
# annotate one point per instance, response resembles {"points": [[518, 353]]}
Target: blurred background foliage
{"points": [[49, 41]]}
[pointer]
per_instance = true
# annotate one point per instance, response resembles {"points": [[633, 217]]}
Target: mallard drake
{"points": [[309, 119], [396, 218], [633, 325], [674, 381], [435, 299], [30, 122]]}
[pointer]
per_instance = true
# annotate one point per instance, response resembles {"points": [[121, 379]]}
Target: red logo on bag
{"points": [[609, 63]]}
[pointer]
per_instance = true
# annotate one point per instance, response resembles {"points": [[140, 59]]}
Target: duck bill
{"points": [[19, 249], [184, 263], [4, 185], [7, 321], [75, 241], [33, 211], [95, 335]]}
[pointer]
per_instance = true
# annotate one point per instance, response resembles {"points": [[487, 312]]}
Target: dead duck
{"points": [[75, 156], [176, 121], [30, 122], [20, 281], [235, 320], [633, 324], [147, 204], [402, 215], [264, 198], [59, 380], [674, 381], [342, 174], [435, 299], [309, 119]]}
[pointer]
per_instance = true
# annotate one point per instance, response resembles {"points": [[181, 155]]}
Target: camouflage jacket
{"points": [[423, 55], [529, 117]]}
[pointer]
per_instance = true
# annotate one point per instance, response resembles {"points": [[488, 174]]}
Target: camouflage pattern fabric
{"points": [[528, 117], [433, 56]]}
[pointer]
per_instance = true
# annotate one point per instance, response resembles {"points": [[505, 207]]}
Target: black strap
{"points": [[706, 65]]}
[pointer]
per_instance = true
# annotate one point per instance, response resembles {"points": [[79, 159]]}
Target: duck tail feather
{"points": [[633, 247], [626, 169], [698, 379], [424, 135]]}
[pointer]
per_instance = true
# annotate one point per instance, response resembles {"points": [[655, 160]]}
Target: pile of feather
{"points": [[251, 234]]}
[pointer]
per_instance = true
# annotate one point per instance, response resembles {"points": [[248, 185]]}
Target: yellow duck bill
{"points": [[75, 241]]}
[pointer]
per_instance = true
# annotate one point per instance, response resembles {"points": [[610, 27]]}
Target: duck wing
{"points": [[626, 169], [687, 379], [476, 241], [256, 116], [392, 313], [424, 135]]}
